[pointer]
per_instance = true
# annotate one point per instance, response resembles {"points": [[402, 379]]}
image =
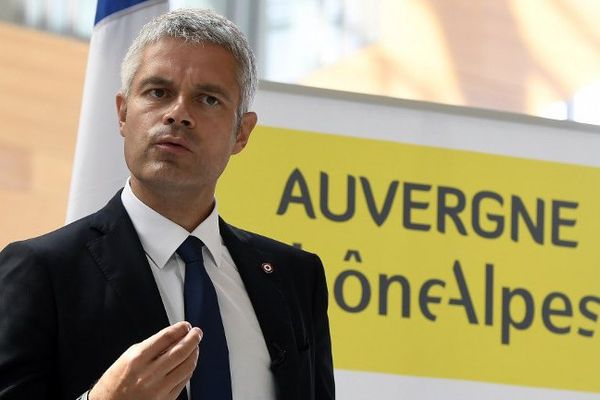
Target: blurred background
{"points": [[534, 57]]}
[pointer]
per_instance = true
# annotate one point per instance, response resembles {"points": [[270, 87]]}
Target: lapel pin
{"points": [[267, 268]]}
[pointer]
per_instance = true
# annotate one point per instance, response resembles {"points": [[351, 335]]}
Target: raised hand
{"points": [[157, 368]]}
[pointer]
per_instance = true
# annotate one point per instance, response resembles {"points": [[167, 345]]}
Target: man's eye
{"points": [[158, 93], [210, 100]]}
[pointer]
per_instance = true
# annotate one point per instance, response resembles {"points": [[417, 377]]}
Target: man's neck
{"points": [[186, 209]]}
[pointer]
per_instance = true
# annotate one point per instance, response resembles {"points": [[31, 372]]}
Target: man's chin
{"points": [[168, 182]]}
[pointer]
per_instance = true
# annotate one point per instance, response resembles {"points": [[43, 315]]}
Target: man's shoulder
{"points": [[65, 239], [264, 242], [275, 249], [64, 236]]}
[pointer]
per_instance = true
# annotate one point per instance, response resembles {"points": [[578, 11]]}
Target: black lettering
{"points": [[507, 319], [379, 217], [465, 297], [350, 199], [425, 298], [365, 287], [384, 285], [296, 179], [476, 215], [489, 294], [444, 210], [566, 310], [557, 222], [409, 205], [353, 254], [587, 313], [535, 229]]}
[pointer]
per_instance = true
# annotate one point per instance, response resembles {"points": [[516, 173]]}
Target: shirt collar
{"points": [[160, 237]]}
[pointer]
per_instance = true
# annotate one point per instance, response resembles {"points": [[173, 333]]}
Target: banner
{"points": [[453, 272]]}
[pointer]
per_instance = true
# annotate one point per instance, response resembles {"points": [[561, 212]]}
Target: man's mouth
{"points": [[172, 144]]}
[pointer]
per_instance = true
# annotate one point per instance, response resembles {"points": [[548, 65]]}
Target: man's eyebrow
{"points": [[155, 80]]}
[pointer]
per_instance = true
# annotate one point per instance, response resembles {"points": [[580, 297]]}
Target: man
{"points": [[99, 307]]}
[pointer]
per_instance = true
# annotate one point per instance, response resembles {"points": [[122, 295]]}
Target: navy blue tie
{"points": [[211, 379]]}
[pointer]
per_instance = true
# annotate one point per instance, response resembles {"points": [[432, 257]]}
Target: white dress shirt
{"points": [[249, 361]]}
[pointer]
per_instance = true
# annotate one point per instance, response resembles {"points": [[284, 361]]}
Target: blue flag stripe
{"points": [[108, 7]]}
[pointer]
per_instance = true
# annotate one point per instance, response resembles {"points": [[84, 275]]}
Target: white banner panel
{"points": [[459, 244]]}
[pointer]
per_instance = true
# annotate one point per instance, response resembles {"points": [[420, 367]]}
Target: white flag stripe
{"points": [[99, 169]]}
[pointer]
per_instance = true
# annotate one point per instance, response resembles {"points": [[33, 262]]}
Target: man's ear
{"points": [[247, 124], [121, 111]]}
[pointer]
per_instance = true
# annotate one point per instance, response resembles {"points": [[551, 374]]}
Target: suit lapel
{"points": [[120, 255], [266, 293]]}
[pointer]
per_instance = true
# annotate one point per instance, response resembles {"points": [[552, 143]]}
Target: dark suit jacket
{"points": [[72, 301]]}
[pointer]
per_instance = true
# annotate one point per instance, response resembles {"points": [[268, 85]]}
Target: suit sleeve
{"points": [[324, 381], [27, 326]]}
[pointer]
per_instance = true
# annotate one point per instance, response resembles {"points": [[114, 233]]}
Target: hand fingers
{"points": [[161, 341], [182, 373], [180, 352], [174, 394]]}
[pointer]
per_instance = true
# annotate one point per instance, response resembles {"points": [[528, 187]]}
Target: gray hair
{"points": [[196, 26]]}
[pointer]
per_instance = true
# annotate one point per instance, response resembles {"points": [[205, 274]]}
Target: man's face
{"points": [[179, 121]]}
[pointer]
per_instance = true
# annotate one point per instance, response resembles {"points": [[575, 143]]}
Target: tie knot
{"points": [[191, 250]]}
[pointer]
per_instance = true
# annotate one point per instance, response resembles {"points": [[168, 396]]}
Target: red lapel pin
{"points": [[267, 268]]}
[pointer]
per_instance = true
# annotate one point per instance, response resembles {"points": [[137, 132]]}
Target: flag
{"points": [[99, 168]]}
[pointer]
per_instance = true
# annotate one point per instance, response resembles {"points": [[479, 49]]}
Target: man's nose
{"points": [[179, 114]]}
